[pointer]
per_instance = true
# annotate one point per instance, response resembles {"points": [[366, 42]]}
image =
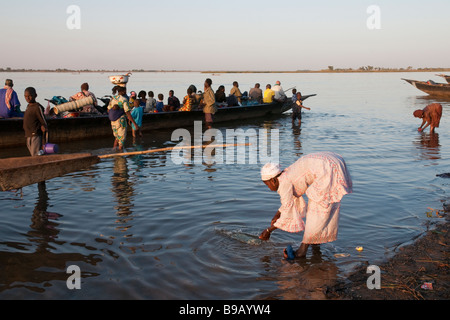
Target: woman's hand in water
{"points": [[265, 235]]}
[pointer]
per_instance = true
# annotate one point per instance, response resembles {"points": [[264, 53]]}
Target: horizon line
{"points": [[331, 69]]}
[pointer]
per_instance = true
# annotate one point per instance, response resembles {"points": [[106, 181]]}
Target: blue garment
{"points": [[137, 114], [159, 106], [14, 103], [115, 114]]}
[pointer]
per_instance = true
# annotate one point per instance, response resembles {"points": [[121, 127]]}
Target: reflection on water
{"points": [[296, 132], [122, 188], [34, 265], [428, 146], [305, 277], [43, 223]]}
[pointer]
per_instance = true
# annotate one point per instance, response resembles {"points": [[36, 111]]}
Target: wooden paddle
{"points": [[124, 154]]}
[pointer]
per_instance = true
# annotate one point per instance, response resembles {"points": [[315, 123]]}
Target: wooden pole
{"points": [[171, 148]]}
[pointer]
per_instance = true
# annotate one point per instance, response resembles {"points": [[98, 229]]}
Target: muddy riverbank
{"points": [[420, 271]]}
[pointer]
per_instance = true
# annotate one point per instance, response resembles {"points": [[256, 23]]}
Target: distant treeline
{"points": [[87, 70], [341, 70], [330, 69]]}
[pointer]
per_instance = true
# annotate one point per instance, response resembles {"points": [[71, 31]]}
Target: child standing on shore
{"points": [[34, 123]]}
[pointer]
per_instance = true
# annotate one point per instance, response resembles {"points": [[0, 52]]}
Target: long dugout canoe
{"points": [[16, 173], [438, 89], [88, 127]]}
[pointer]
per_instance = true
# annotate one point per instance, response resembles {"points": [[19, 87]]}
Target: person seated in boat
{"points": [[220, 95], [150, 104], [279, 96], [256, 94], [197, 97], [142, 99], [160, 103], [34, 123], [84, 93], [430, 115], [268, 94], [232, 101], [235, 91], [132, 97], [188, 101], [173, 102], [9, 101]]}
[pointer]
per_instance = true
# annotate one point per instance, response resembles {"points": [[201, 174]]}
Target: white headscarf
{"points": [[270, 170]]}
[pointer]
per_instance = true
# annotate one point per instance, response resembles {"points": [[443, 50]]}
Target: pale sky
{"points": [[226, 35]]}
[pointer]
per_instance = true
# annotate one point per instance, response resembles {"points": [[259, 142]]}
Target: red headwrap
{"points": [[418, 113]]}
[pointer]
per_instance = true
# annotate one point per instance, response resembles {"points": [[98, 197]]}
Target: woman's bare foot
{"points": [[300, 253]]}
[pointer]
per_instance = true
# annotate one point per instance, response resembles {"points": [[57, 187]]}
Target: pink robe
{"points": [[324, 178]]}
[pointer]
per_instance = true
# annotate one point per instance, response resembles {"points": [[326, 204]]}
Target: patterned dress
{"points": [[324, 179], [119, 126], [187, 106]]}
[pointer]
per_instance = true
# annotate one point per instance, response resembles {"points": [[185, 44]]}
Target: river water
{"points": [[144, 227]]}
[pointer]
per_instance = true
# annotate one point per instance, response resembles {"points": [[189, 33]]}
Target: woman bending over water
{"points": [[324, 178]]}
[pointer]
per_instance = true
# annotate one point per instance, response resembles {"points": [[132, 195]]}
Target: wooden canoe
{"points": [[446, 77], [16, 173], [433, 89], [70, 129]]}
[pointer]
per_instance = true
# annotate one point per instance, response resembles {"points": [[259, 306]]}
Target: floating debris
{"points": [[431, 211], [427, 286], [341, 255]]}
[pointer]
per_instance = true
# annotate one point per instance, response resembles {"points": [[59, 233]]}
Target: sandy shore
{"points": [[419, 271]]}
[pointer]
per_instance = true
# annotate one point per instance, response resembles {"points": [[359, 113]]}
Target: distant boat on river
{"points": [[446, 77], [431, 87]]}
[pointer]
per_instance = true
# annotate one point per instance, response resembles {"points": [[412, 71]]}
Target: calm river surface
{"points": [[144, 227]]}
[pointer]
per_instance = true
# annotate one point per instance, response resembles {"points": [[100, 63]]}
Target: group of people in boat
{"points": [[193, 100], [134, 105]]}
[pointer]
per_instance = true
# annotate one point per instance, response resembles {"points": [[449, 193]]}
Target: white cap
{"points": [[270, 170]]}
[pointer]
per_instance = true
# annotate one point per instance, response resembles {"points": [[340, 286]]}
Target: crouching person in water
{"points": [[324, 178]]}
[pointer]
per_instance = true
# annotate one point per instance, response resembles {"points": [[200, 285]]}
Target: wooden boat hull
{"points": [[16, 173], [446, 77], [69, 129], [439, 89]]}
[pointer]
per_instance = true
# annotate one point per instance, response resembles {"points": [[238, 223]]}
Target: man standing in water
{"points": [[209, 100], [324, 178]]}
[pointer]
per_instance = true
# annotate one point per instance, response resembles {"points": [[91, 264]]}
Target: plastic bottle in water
{"points": [[41, 152]]}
